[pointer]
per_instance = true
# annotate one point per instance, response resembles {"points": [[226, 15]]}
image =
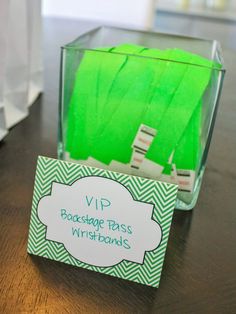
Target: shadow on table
{"points": [[77, 283], [116, 294]]}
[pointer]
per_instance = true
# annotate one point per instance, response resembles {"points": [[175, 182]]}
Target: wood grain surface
{"points": [[199, 274]]}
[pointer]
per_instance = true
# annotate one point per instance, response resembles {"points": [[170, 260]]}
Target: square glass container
{"points": [[141, 103]]}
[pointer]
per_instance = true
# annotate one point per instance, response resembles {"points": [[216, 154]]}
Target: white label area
{"points": [[99, 222]]}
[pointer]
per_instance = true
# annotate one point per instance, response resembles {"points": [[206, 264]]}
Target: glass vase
{"points": [[141, 103]]}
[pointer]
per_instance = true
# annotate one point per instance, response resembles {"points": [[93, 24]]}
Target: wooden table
{"points": [[199, 274]]}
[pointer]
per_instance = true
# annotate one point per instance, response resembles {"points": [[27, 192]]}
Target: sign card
{"points": [[101, 220]]}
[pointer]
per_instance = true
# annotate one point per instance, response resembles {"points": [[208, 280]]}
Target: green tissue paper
{"points": [[117, 89]]}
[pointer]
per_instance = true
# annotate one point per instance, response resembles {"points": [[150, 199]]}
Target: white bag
{"points": [[20, 59], [134, 13], [3, 22], [35, 50], [15, 93]]}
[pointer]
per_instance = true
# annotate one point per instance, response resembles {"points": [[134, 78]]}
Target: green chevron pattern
{"points": [[162, 195]]}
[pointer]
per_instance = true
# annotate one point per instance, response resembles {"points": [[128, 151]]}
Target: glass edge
{"points": [[60, 138], [82, 50], [213, 120], [152, 32]]}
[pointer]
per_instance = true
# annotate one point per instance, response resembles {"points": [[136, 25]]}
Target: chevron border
{"points": [[162, 195]]}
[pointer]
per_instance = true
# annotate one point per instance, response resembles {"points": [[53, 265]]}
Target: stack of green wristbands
{"points": [[118, 89]]}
